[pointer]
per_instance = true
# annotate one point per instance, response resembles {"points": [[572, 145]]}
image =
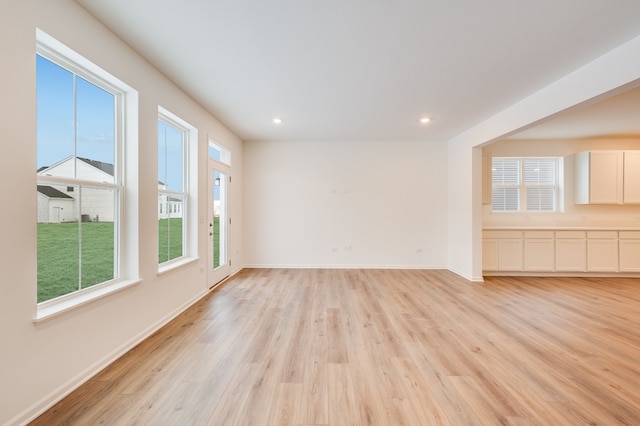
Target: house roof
{"points": [[51, 192], [102, 166], [105, 167]]}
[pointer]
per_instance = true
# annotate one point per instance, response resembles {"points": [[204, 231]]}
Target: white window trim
{"points": [[126, 175], [225, 154], [189, 210]]}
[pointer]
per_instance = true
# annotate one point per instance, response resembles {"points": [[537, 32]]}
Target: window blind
{"points": [[528, 184], [505, 179]]}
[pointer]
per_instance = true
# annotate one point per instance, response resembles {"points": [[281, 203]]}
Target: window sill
{"points": [[171, 266], [54, 308]]}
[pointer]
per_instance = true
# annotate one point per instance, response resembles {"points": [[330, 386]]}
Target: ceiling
{"points": [[614, 117], [368, 69]]}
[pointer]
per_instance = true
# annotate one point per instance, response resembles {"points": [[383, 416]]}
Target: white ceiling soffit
{"points": [[365, 69], [614, 117]]}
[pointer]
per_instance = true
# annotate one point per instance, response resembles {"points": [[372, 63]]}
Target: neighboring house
{"points": [[55, 206], [168, 206], [58, 203]]}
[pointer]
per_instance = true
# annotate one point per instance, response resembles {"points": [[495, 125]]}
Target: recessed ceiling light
{"points": [[277, 120], [425, 120]]}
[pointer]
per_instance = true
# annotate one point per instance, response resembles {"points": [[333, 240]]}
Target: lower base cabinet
{"points": [[502, 251], [490, 248], [539, 251], [629, 251], [561, 251], [602, 251], [571, 251]]}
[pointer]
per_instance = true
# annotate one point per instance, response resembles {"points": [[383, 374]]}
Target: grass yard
{"points": [[59, 247], [216, 241], [58, 257], [170, 239]]}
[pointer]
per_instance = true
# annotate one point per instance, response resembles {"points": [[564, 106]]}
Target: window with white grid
{"points": [[525, 184]]}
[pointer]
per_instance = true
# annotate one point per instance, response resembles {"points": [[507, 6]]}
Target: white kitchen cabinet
{"points": [[561, 252], [602, 251], [502, 250], [571, 251], [607, 177], [539, 251], [631, 190], [490, 249], [599, 177], [629, 250], [510, 255]]}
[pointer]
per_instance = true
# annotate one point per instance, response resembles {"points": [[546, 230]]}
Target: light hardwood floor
{"points": [[384, 347]]}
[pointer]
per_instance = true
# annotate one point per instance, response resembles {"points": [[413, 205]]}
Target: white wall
{"points": [[615, 71], [41, 362], [574, 214], [345, 204]]}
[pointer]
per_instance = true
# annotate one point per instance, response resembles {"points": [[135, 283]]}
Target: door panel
{"points": [[218, 222]]}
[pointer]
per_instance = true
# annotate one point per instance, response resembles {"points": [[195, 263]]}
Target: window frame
{"points": [[522, 186], [189, 189], [126, 268], [224, 154]]}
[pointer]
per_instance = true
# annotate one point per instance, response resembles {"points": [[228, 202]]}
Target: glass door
{"points": [[218, 222]]}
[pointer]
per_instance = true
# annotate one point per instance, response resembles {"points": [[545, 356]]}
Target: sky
{"points": [[94, 117], [93, 135]]}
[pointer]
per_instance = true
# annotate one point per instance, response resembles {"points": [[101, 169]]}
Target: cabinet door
{"points": [[632, 177], [602, 255], [539, 255], [629, 255], [510, 255], [571, 255], [490, 254], [605, 177]]}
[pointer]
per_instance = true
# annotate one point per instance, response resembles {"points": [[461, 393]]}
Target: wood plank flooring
{"points": [[380, 347]]}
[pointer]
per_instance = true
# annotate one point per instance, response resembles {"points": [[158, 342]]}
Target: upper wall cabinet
{"points": [[631, 177], [607, 177]]}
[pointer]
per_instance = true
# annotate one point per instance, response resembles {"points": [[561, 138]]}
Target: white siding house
{"points": [[168, 206], [58, 203], [55, 206]]}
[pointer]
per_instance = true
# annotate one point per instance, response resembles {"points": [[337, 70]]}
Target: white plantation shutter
{"points": [[506, 171], [540, 182], [505, 199], [505, 179], [524, 184]]}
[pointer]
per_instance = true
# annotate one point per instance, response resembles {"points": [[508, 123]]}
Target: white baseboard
{"points": [[472, 278], [340, 266], [65, 389]]}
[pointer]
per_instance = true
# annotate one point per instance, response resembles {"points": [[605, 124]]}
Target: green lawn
{"points": [[216, 241], [58, 254], [59, 245], [170, 239]]}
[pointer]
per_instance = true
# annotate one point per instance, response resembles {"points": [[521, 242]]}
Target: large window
{"points": [[173, 137], [79, 184], [525, 184]]}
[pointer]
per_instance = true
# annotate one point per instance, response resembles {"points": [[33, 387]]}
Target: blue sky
{"points": [[94, 117], [170, 156], [93, 135]]}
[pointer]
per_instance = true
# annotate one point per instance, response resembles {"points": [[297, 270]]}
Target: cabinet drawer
{"points": [[538, 234], [571, 234], [629, 235], [602, 234], [501, 234]]}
